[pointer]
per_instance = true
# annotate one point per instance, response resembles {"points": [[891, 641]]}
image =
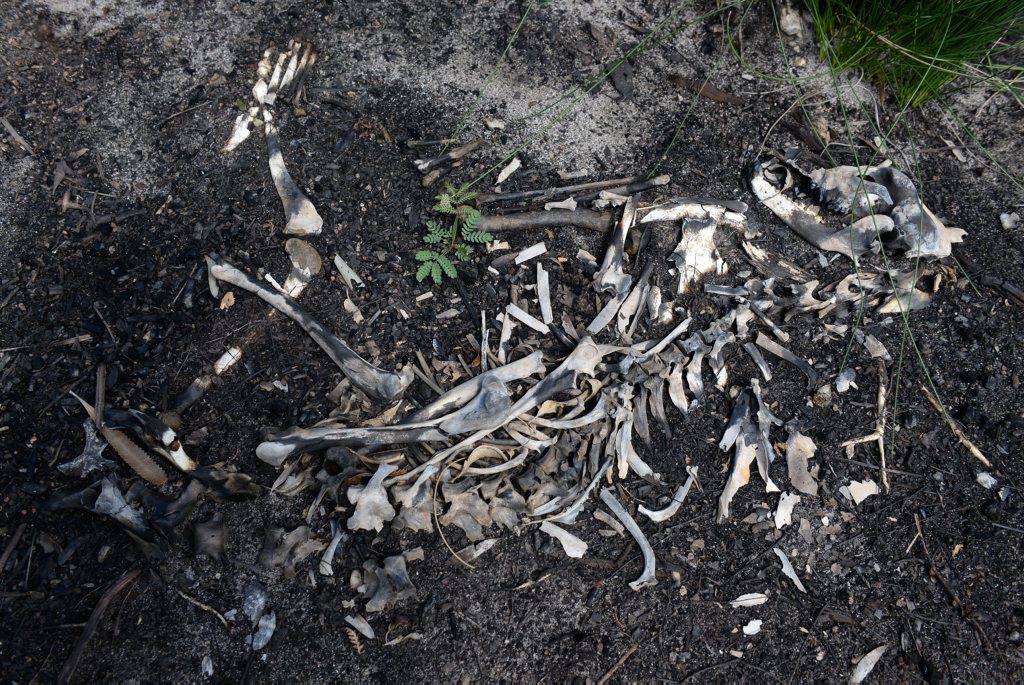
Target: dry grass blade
{"points": [[963, 440]]}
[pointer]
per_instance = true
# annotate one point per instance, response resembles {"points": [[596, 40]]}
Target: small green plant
{"points": [[451, 235]]}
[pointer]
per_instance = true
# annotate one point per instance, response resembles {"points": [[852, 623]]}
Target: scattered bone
{"points": [[455, 154], [1009, 220], [353, 311], [673, 507], [376, 383], [759, 361], [279, 547], [362, 625], [473, 551], [875, 348], [879, 433], [845, 380], [778, 350], [751, 599], [327, 560], [788, 570], [610, 521], [696, 254], [91, 458], [509, 169], [859, 490], [799, 449], [866, 664], [493, 123], [753, 627], [607, 313], [544, 295], [264, 631], [589, 261], [386, 586], [305, 264], [348, 274], [526, 318], [774, 266], [611, 278], [301, 216], [226, 361], [373, 509], [573, 546], [784, 512], [241, 130], [986, 480], [648, 576], [568, 204], [417, 503]]}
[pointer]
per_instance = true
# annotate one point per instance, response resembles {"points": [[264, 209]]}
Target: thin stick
{"points": [[10, 546], [880, 425], [484, 198], [17, 136], [965, 613], [120, 584], [617, 665], [580, 218], [203, 606], [101, 392], [975, 452]]}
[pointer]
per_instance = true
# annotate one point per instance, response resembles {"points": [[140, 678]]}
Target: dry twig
{"points": [[961, 438]]}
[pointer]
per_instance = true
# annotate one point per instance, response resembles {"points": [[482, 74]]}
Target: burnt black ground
{"points": [[124, 283]]}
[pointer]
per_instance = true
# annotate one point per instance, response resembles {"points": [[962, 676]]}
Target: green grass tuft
{"points": [[915, 48]]}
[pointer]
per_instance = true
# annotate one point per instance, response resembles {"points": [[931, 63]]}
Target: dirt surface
{"points": [[102, 261]]}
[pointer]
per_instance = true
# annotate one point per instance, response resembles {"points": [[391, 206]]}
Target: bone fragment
{"points": [[758, 358], [544, 295], [677, 499], [378, 384], [784, 512], [241, 130], [866, 664], [739, 475], [465, 391], [573, 546], [774, 266], [301, 216], [696, 254], [283, 445], [568, 204], [373, 509], [581, 361], [799, 449], [751, 599], [607, 313], [788, 570], [348, 274], [227, 360], [455, 154], [504, 339], [648, 576], [509, 169], [326, 561], [666, 341], [530, 252], [526, 318], [860, 490], [611, 278], [778, 350], [305, 264]]}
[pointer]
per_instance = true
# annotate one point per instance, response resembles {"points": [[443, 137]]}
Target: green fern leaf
{"points": [[477, 236], [432, 238], [463, 251], [423, 271], [435, 272], [426, 256], [447, 266]]}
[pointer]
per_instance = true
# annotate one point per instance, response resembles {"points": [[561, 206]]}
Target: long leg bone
{"points": [[611, 278], [648, 576], [300, 214], [380, 385]]}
